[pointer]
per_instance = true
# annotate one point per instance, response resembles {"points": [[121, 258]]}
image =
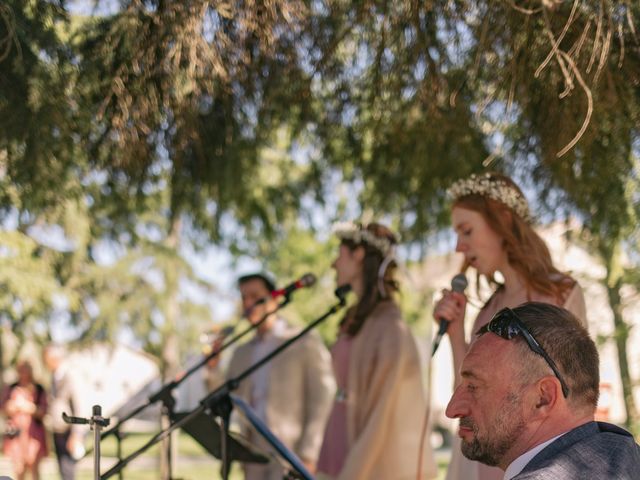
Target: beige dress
{"points": [[461, 468], [385, 402]]}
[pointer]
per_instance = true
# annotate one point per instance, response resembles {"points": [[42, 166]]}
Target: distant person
{"points": [[374, 431], [493, 223], [528, 396], [67, 439], [24, 403], [292, 393]]}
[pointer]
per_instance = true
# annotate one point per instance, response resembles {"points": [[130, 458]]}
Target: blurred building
{"points": [[119, 379]]}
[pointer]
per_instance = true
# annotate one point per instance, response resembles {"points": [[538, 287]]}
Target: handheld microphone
{"points": [[458, 284]]}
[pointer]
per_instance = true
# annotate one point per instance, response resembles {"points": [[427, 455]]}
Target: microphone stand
{"points": [[219, 401], [164, 394], [96, 421]]}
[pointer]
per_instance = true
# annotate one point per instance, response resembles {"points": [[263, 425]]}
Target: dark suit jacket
{"points": [[595, 450]]}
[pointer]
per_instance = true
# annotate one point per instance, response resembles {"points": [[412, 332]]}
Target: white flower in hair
{"points": [[493, 188], [355, 233]]}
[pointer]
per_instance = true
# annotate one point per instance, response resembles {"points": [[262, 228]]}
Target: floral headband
{"points": [[493, 188], [355, 233]]}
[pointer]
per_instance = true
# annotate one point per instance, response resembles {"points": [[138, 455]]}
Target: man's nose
{"points": [[458, 406]]}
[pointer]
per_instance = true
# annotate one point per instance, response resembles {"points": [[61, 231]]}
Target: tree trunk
{"points": [[170, 352], [1, 356], [614, 282]]}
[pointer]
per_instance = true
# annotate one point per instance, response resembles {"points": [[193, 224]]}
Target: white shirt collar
{"points": [[519, 463]]}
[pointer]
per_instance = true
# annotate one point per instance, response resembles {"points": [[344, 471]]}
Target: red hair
{"points": [[526, 252]]}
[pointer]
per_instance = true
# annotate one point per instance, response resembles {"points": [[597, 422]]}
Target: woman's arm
{"points": [[451, 308]]}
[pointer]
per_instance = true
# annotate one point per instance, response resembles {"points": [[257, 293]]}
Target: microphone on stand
{"points": [[341, 293], [307, 280], [458, 284]]}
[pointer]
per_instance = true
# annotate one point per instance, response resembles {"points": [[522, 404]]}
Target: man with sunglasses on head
{"points": [[527, 399]]}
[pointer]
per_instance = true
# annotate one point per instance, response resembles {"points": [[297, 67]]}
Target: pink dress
{"points": [[30, 445], [334, 446]]}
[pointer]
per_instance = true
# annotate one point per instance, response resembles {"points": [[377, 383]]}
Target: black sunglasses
{"points": [[507, 325]]}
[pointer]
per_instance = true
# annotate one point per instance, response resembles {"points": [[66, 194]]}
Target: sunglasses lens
{"points": [[502, 326]]}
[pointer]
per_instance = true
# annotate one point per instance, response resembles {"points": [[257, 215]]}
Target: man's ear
{"points": [[548, 391]]}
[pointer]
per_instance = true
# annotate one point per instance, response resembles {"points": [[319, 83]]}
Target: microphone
{"points": [[307, 280], [341, 292], [458, 284]]}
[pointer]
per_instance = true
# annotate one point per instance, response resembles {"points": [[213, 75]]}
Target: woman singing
{"points": [[374, 428], [491, 218]]}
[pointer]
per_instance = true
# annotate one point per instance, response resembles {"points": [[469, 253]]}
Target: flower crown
{"points": [[493, 188], [357, 234]]}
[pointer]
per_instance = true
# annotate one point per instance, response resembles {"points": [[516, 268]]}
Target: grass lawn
{"points": [[191, 462]]}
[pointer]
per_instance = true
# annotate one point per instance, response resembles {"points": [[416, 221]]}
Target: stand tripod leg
{"points": [[119, 451], [166, 449], [223, 410]]}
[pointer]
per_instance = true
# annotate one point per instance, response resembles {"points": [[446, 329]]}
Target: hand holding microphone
{"points": [[450, 308]]}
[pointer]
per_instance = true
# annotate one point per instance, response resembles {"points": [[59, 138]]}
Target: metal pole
{"points": [[95, 422], [97, 412]]}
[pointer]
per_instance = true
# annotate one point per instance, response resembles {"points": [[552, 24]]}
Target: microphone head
{"points": [[459, 283], [342, 291], [307, 280]]}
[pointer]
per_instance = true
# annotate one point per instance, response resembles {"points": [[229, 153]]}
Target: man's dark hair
{"points": [[568, 343], [266, 280]]}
